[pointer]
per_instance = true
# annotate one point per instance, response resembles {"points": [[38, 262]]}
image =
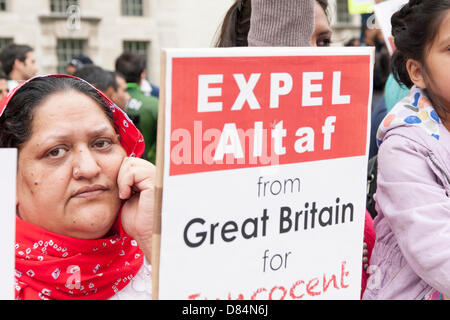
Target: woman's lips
{"points": [[90, 191]]}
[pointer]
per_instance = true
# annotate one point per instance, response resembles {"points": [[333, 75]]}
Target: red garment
{"points": [[369, 240], [53, 266]]}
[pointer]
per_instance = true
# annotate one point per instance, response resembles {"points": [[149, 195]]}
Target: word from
{"points": [[298, 289], [275, 187]]}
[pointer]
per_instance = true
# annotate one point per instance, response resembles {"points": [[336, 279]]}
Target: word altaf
{"points": [[228, 144], [296, 290], [196, 234], [230, 141]]}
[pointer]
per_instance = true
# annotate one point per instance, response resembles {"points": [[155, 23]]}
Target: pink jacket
{"points": [[411, 256]]}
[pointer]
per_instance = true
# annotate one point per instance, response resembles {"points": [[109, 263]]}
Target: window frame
{"points": [[131, 8], [68, 54], [56, 6]]}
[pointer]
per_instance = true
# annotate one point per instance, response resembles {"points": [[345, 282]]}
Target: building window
{"points": [[132, 7], [140, 47], [60, 6], [3, 5], [343, 16], [66, 49]]}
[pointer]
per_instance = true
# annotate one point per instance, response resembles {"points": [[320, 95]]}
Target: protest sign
{"points": [[262, 160], [383, 13], [8, 159], [360, 6]]}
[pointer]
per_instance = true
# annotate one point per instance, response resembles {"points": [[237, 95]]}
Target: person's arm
{"points": [[136, 185], [417, 208], [276, 23]]}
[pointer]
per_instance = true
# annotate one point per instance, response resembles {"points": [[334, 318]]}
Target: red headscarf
{"points": [[53, 266]]}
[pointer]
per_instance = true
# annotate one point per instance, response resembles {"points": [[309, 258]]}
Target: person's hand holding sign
{"points": [[136, 186]]}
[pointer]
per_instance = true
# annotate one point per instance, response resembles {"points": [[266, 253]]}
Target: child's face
{"points": [[438, 62]]}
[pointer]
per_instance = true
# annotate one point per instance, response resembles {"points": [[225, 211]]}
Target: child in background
{"points": [[411, 257]]}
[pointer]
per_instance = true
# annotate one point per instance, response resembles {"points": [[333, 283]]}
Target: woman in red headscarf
{"points": [[84, 198]]}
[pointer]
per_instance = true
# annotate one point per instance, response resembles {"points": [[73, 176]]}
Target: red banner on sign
{"points": [[242, 112]]}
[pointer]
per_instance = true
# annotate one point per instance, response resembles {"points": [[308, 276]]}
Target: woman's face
{"points": [[67, 170], [322, 32]]}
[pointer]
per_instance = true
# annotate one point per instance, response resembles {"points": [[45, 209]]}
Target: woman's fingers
{"points": [[135, 175]]}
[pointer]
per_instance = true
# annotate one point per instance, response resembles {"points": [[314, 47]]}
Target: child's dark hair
{"points": [[414, 28]]}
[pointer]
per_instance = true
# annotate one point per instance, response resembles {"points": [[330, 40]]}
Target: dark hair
{"points": [[324, 5], [12, 52], [414, 27], [3, 76], [236, 24], [99, 78], [16, 121], [80, 60], [131, 65]]}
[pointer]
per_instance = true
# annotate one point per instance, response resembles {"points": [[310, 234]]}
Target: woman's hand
{"points": [[136, 185]]}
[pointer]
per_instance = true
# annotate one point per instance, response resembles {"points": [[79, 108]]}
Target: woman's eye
{"points": [[56, 153], [324, 42], [102, 144]]}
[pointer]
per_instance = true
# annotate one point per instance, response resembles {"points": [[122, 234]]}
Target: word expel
{"points": [[280, 84]]}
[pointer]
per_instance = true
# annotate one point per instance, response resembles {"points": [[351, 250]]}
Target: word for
{"points": [[296, 290], [308, 218], [280, 84], [276, 261]]}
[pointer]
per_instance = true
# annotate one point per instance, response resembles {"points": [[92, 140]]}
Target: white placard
{"points": [[290, 228], [8, 170]]}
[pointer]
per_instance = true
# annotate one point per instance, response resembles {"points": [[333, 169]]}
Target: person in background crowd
{"points": [[393, 93], [148, 88], [142, 109], [411, 257], [78, 62], [84, 204], [373, 37], [96, 76], [120, 95], [293, 23], [19, 64], [108, 82], [4, 90]]}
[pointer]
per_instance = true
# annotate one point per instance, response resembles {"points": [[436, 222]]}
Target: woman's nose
{"points": [[85, 164]]}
